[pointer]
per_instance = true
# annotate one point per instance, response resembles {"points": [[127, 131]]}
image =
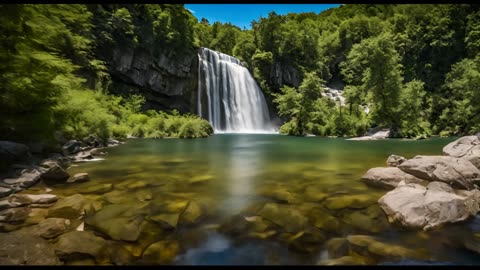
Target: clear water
{"points": [[232, 175]]}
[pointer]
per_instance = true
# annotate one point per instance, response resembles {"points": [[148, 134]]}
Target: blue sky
{"points": [[242, 14]]}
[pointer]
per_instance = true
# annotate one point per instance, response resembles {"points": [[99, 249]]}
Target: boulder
{"points": [[49, 228], [55, 173], [23, 249], [79, 178], [70, 207], [98, 189], [457, 172], [416, 206], [11, 151], [81, 242], [389, 177], [16, 214], [467, 147], [72, 147], [395, 160], [356, 201], [337, 247], [192, 214], [5, 191], [93, 141]]}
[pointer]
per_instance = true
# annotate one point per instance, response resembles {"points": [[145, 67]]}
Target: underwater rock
{"points": [[18, 248], [287, 217], [79, 178], [162, 252], [337, 247], [314, 194], [28, 199], [81, 242], [97, 189], [356, 201], [345, 260], [192, 214], [49, 228], [70, 207]]}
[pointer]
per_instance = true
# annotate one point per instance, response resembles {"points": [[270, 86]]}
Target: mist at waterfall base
{"points": [[228, 96]]}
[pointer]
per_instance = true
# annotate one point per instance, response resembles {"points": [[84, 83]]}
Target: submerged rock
{"points": [[81, 242], [416, 206], [192, 214], [287, 217], [458, 172], [389, 177], [162, 252], [70, 207], [79, 178], [345, 260], [98, 189], [395, 160], [467, 147], [16, 214], [28, 178], [23, 249], [356, 201], [337, 247], [49, 228]]}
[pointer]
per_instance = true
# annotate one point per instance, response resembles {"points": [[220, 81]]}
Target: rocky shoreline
{"points": [[429, 191]]}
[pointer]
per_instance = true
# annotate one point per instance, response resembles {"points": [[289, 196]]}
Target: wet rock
{"points": [[5, 204], [79, 178], [314, 194], [29, 199], [357, 201], [200, 179], [12, 151], [28, 178], [324, 220], [395, 160], [81, 242], [70, 207], [389, 177], [119, 221], [162, 252], [49, 228], [98, 189], [287, 217], [345, 260], [55, 174], [416, 206], [144, 195], [112, 142], [93, 141], [117, 196], [4, 191], [119, 255], [457, 172], [337, 247], [192, 214], [72, 147], [23, 249], [82, 156], [467, 147], [131, 185], [169, 220], [16, 214]]}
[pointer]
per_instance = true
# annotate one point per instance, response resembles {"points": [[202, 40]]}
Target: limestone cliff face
{"points": [[281, 74], [167, 81]]}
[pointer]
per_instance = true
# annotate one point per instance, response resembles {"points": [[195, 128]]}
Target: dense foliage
{"points": [[47, 55], [413, 66]]}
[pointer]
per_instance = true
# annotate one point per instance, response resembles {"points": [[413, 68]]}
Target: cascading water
{"points": [[228, 96]]}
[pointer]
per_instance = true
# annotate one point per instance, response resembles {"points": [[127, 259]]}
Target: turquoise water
{"points": [[233, 176]]}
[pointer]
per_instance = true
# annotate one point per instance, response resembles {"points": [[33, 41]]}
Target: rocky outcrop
{"points": [[467, 147], [458, 172], [79, 178], [389, 177], [416, 206]]}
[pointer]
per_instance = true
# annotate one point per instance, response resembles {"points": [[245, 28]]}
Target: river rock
{"points": [[168, 220], [323, 220], [28, 199], [416, 206], [337, 247], [458, 172], [81, 242], [371, 247], [389, 177], [356, 201], [162, 252], [23, 249], [119, 221], [27, 178], [4, 191], [467, 147], [98, 189], [49, 228], [55, 174], [287, 217], [70, 207], [395, 160], [79, 178], [11, 151], [192, 214], [72, 147], [345, 260], [16, 214]]}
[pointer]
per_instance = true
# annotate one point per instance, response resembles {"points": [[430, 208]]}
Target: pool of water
{"points": [[262, 199]]}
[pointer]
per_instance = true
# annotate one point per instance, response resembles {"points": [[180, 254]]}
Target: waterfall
{"points": [[228, 96]]}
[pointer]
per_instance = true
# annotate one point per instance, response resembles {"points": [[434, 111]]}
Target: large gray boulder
{"points": [[10, 151], [389, 177], [416, 206], [467, 147], [28, 178], [458, 172], [54, 173], [24, 249]]}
